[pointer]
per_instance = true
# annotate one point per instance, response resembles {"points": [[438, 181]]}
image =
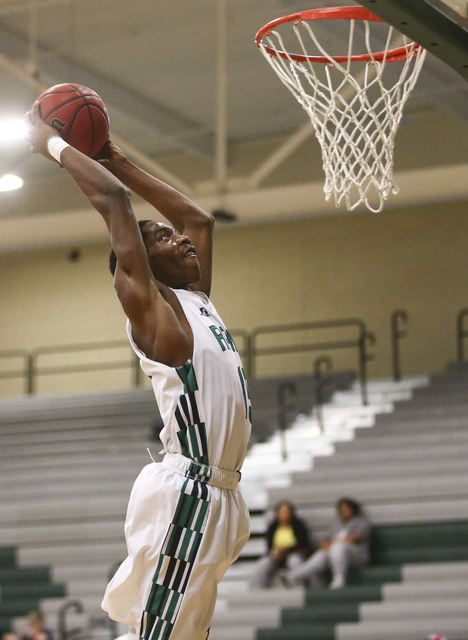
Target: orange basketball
{"points": [[78, 114]]}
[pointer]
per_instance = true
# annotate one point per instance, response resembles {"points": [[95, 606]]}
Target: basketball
{"points": [[78, 114]]}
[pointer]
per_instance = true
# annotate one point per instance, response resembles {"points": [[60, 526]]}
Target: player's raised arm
{"points": [[157, 329], [106, 193], [186, 216]]}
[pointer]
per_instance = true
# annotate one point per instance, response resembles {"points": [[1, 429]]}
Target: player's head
{"points": [[171, 257]]}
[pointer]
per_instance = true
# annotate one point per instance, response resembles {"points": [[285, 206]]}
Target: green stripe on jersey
{"points": [[186, 373]]}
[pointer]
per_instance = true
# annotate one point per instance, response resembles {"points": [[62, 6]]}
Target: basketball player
{"points": [[186, 520]]}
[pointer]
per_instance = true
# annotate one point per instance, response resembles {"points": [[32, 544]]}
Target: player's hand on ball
{"points": [[38, 131], [110, 156]]}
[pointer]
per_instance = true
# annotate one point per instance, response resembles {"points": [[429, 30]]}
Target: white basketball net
{"points": [[355, 117]]}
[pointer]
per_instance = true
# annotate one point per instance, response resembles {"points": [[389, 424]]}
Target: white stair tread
{"points": [[251, 615], [442, 607], [435, 571], [412, 589], [455, 628]]}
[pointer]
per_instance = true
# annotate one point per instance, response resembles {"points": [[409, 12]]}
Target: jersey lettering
{"points": [[224, 338]]}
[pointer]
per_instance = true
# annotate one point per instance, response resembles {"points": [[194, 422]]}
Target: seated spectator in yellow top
{"points": [[288, 545], [346, 546]]}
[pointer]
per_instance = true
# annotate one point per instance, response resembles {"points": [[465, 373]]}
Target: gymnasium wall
{"points": [[347, 265]]}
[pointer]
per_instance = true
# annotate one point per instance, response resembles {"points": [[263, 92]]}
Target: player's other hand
{"points": [[38, 132], [110, 156]]}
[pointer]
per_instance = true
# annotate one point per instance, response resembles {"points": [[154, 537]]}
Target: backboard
{"points": [[440, 26]]}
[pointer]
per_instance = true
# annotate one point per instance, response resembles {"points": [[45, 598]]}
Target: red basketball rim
{"points": [[333, 13]]}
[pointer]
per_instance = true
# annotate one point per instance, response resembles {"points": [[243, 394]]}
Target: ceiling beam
{"points": [[282, 153], [221, 167]]}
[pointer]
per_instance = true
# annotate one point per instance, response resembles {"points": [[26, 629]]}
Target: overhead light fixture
{"points": [[9, 182], [12, 129]]}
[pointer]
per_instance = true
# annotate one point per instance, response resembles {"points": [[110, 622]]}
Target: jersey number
{"points": [[245, 393]]}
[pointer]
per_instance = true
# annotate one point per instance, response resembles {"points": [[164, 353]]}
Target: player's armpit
{"points": [[156, 328]]}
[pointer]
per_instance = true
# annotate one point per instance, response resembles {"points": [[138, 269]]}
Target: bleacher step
{"points": [[293, 597], [242, 632], [64, 509], [435, 571], [53, 490], [395, 488], [77, 532], [76, 554], [390, 468], [443, 606], [251, 615], [455, 587], [454, 628]]}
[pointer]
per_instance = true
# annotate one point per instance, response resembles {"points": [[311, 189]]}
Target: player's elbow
{"points": [[115, 196], [210, 221], [203, 219]]}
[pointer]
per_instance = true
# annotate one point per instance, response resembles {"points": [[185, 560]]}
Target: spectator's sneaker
{"points": [[337, 583]]}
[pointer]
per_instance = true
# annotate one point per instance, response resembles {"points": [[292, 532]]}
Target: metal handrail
{"points": [[244, 350], [63, 632], [360, 343], [34, 369], [288, 387], [322, 365], [396, 335], [9, 354], [462, 333]]}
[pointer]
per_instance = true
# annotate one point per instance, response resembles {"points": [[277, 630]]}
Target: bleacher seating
{"points": [[68, 464], [22, 588], [290, 395], [409, 470], [392, 546]]}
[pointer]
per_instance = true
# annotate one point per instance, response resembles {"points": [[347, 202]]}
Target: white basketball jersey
{"points": [[204, 403]]}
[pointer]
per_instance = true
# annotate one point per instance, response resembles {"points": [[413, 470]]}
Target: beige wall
{"points": [[362, 265], [355, 265]]}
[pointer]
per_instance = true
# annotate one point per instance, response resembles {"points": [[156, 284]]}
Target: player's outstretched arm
{"points": [[156, 327], [106, 193], [186, 216]]}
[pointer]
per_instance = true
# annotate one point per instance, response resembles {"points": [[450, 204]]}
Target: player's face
{"points": [[172, 258]]}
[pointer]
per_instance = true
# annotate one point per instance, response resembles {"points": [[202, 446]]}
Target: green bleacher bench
{"points": [[22, 588], [391, 547]]}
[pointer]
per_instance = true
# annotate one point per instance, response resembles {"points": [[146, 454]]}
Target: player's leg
{"points": [[225, 534]]}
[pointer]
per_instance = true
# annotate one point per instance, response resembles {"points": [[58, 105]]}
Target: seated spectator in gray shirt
{"points": [[346, 546]]}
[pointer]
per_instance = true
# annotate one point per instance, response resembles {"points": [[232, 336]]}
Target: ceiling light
{"points": [[12, 130], [8, 182]]}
